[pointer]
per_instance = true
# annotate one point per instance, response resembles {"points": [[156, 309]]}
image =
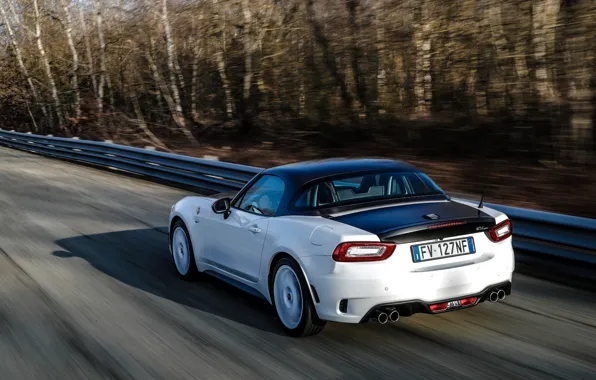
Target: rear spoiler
{"points": [[437, 230]]}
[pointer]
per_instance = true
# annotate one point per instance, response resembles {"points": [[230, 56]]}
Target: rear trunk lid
{"points": [[418, 221]]}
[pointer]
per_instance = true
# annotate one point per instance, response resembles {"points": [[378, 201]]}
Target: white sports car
{"points": [[346, 240]]}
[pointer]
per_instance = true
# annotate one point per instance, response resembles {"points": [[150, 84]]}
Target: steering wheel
{"points": [[254, 207]]}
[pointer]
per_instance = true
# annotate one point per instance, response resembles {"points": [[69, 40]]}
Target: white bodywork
{"points": [[243, 246]]}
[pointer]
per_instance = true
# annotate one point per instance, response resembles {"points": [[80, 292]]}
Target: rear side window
{"points": [[347, 190]]}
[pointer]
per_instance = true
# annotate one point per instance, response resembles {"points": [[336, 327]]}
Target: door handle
{"points": [[254, 229]]}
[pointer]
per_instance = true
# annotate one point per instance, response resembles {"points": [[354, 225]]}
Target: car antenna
{"points": [[481, 204]]}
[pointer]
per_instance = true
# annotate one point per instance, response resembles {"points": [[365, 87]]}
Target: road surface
{"points": [[87, 291]]}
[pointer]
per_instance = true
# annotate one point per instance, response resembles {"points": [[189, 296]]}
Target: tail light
{"points": [[501, 231], [369, 251]]}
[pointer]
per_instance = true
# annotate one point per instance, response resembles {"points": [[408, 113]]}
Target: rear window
{"points": [[356, 189]]}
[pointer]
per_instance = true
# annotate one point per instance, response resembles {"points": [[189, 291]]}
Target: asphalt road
{"points": [[87, 290]]}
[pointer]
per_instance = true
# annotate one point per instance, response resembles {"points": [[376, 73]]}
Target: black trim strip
{"points": [[315, 294]]}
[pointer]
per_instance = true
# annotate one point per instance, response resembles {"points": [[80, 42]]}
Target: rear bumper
{"points": [[408, 308], [349, 292]]}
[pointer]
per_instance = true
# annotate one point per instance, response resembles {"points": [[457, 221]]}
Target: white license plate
{"points": [[442, 249]]}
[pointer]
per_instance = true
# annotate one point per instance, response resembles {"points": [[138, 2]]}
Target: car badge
{"points": [[431, 216]]}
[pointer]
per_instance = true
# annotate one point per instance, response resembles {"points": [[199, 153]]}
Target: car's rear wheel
{"points": [[182, 252], [292, 300]]}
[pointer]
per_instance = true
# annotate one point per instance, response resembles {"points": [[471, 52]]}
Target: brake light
{"points": [[501, 231], [444, 225], [368, 251]]}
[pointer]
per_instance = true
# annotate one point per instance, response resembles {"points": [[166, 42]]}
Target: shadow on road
{"points": [[140, 258]]}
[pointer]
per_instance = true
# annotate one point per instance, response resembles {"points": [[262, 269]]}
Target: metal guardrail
{"points": [[563, 236], [184, 170], [536, 232]]}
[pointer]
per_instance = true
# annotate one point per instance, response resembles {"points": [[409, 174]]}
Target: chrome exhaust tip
{"points": [[382, 318], [501, 294], [494, 297], [394, 316]]}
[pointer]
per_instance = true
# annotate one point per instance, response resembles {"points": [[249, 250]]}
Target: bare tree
{"points": [[46, 64], [102, 58], [580, 62], [220, 27], [423, 44], [196, 52], [171, 53], [19, 56], [90, 69], [75, 57], [305, 67], [248, 48], [544, 20]]}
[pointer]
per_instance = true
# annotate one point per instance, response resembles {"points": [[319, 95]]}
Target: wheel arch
{"points": [[174, 220], [274, 259]]}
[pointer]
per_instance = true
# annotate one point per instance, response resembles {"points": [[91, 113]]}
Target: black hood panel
{"points": [[387, 221]]}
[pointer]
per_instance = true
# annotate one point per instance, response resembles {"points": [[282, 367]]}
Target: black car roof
{"points": [[295, 176], [302, 172]]}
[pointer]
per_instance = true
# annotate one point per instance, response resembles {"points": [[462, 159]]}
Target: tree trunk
{"points": [[90, 69], [180, 121], [221, 67], [19, 56], [302, 89], [381, 73], [143, 125], [46, 64], [499, 78], [171, 58], [476, 90], [355, 57], [248, 49], [75, 59], [330, 60], [158, 83], [179, 74], [423, 79], [170, 50], [102, 59], [579, 69], [195, 82], [544, 20], [220, 61]]}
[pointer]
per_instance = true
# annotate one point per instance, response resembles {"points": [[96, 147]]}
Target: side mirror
{"points": [[222, 206]]}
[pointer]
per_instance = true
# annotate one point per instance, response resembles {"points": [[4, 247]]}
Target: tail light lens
{"points": [[501, 231], [369, 251]]}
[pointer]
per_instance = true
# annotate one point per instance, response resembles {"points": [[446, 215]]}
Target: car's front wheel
{"points": [[292, 300], [182, 252]]}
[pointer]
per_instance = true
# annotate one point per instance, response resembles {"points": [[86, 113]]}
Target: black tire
{"points": [[192, 273], [310, 324]]}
